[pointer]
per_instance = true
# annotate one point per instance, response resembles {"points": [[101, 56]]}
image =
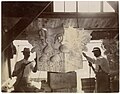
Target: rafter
{"points": [[19, 27], [79, 15], [68, 15]]}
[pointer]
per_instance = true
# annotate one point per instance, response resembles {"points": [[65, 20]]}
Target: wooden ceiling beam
{"points": [[97, 35], [18, 28], [79, 15], [67, 15], [24, 8]]}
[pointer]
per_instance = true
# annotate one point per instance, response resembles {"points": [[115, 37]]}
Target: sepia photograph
{"points": [[60, 46]]}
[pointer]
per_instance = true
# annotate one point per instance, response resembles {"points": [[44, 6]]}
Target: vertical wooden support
{"points": [[101, 6]]}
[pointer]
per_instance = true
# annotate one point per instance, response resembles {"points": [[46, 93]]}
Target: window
{"points": [[58, 6], [107, 7], [82, 6], [90, 6], [70, 6]]}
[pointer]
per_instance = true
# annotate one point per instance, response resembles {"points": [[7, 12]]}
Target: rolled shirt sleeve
{"points": [[92, 60], [103, 62]]}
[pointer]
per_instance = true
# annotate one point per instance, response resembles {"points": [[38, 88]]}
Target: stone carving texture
{"points": [[75, 40], [58, 49]]}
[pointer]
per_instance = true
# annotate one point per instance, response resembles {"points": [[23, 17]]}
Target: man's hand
{"points": [[90, 64], [14, 74], [84, 54]]}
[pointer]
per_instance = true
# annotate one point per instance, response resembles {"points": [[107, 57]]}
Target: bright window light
{"points": [[107, 7], [94, 6], [89, 6], [83, 6], [70, 6], [58, 6]]}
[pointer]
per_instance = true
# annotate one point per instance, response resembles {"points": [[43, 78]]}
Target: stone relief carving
{"points": [[75, 40], [58, 49], [46, 43]]}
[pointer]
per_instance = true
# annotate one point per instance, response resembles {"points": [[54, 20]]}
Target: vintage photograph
{"points": [[60, 46]]}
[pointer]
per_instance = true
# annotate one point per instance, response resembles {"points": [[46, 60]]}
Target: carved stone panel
{"points": [[58, 49]]}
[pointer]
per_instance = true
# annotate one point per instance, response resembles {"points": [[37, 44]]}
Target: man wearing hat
{"points": [[22, 71], [101, 69]]}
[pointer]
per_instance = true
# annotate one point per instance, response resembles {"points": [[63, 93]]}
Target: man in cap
{"points": [[101, 69], [22, 71]]}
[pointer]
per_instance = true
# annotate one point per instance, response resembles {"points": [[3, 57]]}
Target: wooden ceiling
{"points": [[16, 16], [24, 8]]}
